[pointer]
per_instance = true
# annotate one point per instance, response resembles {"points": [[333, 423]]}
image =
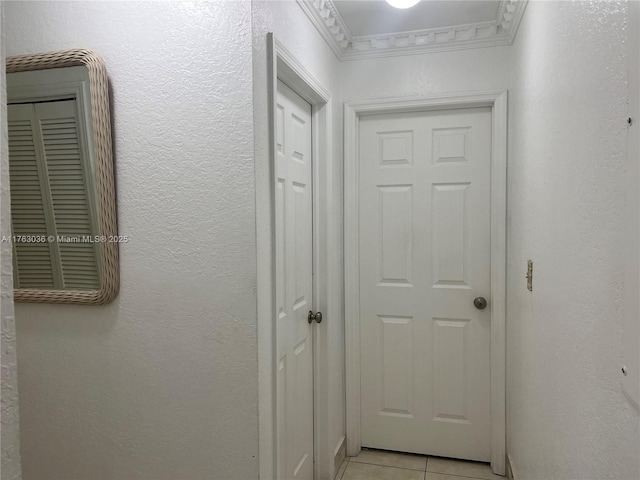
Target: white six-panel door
{"points": [[294, 284], [424, 230]]}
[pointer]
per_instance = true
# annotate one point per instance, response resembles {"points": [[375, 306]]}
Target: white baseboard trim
{"points": [[511, 473], [339, 454]]}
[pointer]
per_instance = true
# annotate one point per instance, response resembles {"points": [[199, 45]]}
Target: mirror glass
{"points": [[64, 235]]}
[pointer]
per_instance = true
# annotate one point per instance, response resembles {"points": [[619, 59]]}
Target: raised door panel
{"points": [[449, 361], [450, 233], [396, 372], [395, 235]]}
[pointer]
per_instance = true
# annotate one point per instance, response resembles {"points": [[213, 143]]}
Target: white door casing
{"points": [[327, 287], [354, 111], [294, 285], [424, 223]]}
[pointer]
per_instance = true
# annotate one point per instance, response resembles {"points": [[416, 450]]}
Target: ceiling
{"points": [[373, 28], [364, 18]]}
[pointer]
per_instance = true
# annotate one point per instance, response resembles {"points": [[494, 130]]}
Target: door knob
{"points": [[480, 303], [315, 316]]}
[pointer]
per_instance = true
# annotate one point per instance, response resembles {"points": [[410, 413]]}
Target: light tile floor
{"points": [[383, 465]]}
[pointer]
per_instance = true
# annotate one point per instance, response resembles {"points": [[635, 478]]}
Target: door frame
{"points": [[497, 101], [282, 65]]}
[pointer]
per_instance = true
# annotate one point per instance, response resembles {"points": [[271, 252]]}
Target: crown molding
{"points": [[327, 20], [324, 16]]}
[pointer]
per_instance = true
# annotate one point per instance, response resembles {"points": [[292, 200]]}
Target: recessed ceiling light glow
{"points": [[402, 3]]}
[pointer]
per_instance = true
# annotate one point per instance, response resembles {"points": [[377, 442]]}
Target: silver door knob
{"points": [[315, 316], [480, 303]]}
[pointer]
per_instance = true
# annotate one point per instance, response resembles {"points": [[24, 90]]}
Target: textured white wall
{"points": [[428, 74], [162, 383], [148, 387], [10, 462], [568, 418], [293, 29], [631, 328]]}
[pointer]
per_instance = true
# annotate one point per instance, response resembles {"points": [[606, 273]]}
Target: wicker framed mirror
{"points": [[63, 203]]}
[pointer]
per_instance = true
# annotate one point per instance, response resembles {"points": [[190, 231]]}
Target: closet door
{"points": [[294, 286], [424, 258], [53, 223]]}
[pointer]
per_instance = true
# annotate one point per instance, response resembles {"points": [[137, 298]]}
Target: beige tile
{"points": [[392, 459], [440, 476], [342, 468], [461, 468], [365, 471]]}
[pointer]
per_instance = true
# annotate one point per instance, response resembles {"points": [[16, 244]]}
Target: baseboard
{"points": [[339, 454], [511, 473]]}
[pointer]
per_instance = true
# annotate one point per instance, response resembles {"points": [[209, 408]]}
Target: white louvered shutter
{"points": [[69, 196], [32, 261], [64, 199]]}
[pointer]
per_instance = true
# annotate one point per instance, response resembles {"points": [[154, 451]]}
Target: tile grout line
{"points": [[458, 476], [453, 477], [393, 466], [426, 470]]}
